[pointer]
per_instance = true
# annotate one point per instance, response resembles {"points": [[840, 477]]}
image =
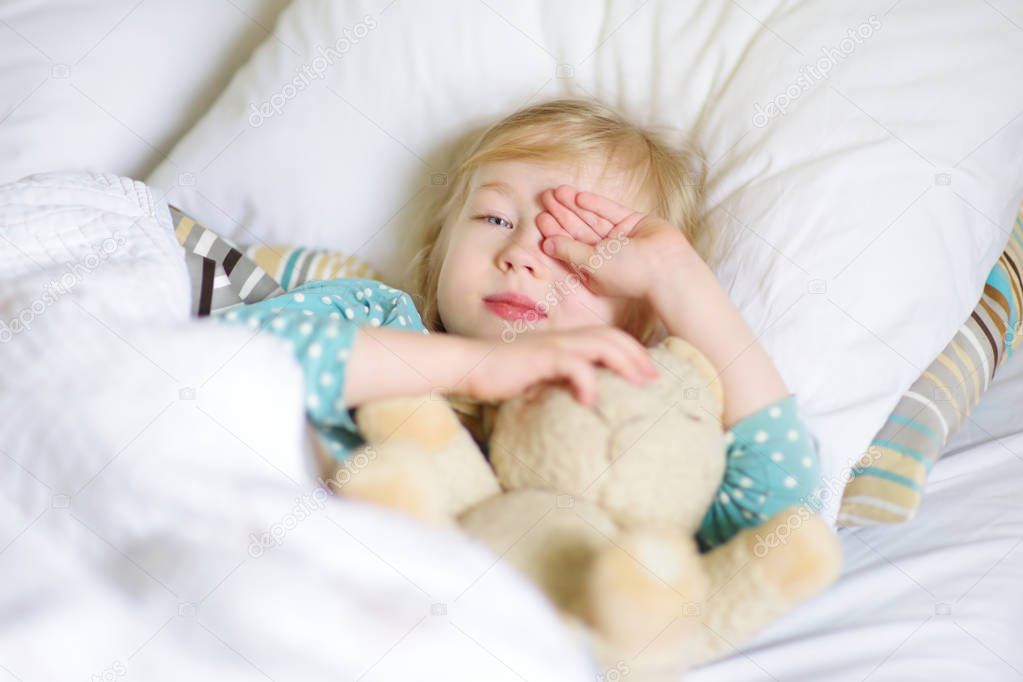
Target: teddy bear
{"points": [[599, 507]]}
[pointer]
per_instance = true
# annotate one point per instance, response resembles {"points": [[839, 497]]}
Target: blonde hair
{"points": [[670, 175]]}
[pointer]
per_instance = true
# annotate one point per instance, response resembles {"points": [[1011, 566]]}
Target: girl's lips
{"points": [[511, 311]]}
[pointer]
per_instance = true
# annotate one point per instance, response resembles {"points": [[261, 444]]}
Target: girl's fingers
{"points": [[635, 354], [604, 207], [565, 249], [630, 223], [625, 228], [569, 221], [576, 363], [624, 363], [581, 376], [596, 349], [548, 225], [611, 348], [566, 195]]}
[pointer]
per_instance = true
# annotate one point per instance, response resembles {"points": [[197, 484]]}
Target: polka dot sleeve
{"points": [[772, 462], [319, 320]]}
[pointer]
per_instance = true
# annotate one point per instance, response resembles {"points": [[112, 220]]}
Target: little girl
{"points": [[564, 240]]}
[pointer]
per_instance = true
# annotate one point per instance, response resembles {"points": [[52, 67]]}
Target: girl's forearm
{"points": [[391, 363], [693, 306]]}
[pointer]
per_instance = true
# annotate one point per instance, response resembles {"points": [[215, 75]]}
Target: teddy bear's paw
{"points": [[427, 421], [648, 587], [393, 479], [797, 552]]}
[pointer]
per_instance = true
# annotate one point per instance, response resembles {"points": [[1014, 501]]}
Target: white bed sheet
{"points": [[938, 598], [999, 413]]}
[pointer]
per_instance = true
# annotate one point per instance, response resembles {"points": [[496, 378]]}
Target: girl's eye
{"points": [[489, 218]]}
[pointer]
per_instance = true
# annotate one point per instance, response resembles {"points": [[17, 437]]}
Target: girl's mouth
{"points": [[509, 311], [510, 305]]}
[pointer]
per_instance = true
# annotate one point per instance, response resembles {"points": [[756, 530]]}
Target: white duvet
{"points": [[157, 516]]}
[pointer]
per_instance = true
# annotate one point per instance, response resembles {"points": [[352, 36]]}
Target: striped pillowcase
{"points": [[295, 265], [224, 275], [220, 273], [888, 481]]}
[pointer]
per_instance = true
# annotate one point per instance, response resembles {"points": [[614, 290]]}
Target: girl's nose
{"points": [[516, 257], [523, 252]]}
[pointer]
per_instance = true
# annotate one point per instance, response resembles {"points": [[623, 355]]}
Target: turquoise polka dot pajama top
{"points": [[772, 460]]}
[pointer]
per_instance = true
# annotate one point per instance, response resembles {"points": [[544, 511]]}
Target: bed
{"points": [[938, 598]]}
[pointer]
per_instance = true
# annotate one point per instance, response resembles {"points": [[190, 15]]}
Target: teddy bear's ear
{"points": [[690, 353]]}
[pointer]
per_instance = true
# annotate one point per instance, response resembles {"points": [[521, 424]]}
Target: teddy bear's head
{"points": [[650, 455]]}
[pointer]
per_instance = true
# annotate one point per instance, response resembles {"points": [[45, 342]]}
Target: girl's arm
{"points": [[392, 362], [772, 458], [347, 362], [691, 303], [386, 363]]}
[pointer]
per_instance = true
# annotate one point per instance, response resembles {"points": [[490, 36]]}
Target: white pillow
{"points": [[857, 226], [110, 86]]}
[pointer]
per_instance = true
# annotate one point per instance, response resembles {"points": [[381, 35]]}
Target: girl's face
{"points": [[495, 281]]}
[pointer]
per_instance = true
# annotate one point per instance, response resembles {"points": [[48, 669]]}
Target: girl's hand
{"points": [[509, 368], [615, 250]]}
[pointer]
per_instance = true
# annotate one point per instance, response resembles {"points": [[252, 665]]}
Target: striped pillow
{"points": [[888, 481], [224, 275], [295, 265]]}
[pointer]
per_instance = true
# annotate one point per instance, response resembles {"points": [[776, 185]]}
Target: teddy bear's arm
{"points": [[772, 462]]}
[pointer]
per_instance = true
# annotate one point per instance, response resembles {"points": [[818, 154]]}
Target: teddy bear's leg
{"points": [[760, 575], [643, 594], [424, 420], [397, 475]]}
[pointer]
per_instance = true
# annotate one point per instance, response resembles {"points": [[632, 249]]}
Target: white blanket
{"points": [[158, 515]]}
